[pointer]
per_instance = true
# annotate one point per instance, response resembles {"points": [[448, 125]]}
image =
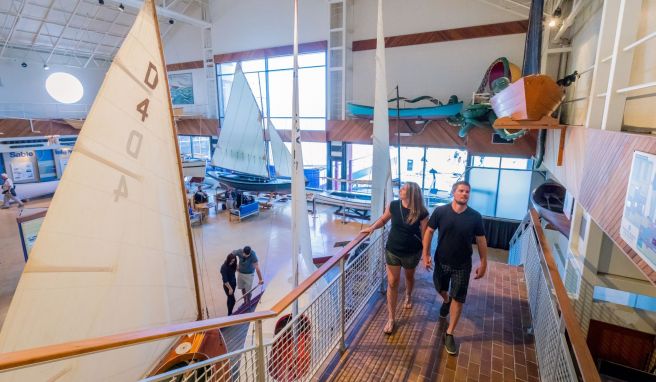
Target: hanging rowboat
{"points": [[528, 99], [421, 113]]}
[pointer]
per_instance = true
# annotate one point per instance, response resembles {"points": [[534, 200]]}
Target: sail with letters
{"points": [[114, 253]]}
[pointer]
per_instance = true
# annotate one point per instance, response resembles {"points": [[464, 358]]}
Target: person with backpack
{"points": [[9, 192]]}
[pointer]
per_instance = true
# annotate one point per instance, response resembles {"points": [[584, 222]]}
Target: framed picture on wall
{"points": [[182, 88], [638, 227]]}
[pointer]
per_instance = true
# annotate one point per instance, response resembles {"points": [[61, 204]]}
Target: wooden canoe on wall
{"points": [[528, 99]]}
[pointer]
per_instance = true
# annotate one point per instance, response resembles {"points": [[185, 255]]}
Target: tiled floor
{"points": [[491, 336]]}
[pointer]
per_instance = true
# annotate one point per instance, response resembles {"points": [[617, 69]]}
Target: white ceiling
{"points": [[81, 33]]}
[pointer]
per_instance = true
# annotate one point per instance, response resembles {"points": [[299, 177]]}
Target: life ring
{"points": [[290, 353]]}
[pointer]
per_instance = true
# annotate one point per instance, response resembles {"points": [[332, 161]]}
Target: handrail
{"points": [[94, 345], [584, 360]]}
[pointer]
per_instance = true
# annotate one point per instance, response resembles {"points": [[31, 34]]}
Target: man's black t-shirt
{"points": [[200, 197], [456, 234], [404, 239]]}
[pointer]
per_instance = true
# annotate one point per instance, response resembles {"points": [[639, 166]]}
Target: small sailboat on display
{"points": [[242, 151], [115, 251]]}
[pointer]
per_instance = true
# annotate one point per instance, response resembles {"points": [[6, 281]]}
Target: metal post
{"points": [[259, 351], [398, 133], [342, 306]]}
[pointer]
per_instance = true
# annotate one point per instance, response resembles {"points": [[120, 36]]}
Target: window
{"points": [[500, 186], [633, 300], [64, 87], [271, 82], [194, 146]]}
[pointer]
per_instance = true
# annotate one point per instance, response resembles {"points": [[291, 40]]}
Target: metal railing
{"points": [[295, 352], [561, 350]]}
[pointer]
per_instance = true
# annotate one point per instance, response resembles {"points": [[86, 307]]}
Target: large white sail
{"points": [[381, 190], [282, 159], [241, 145], [114, 253]]}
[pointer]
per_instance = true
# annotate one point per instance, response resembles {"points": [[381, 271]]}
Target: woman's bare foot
{"points": [[408, 302], [389, 327]]}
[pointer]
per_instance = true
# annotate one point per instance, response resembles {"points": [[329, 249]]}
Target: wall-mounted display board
{"points": [[29, 222], [638, 227]]}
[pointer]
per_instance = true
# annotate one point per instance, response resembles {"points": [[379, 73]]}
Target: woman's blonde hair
{"points": [[415, 203]]}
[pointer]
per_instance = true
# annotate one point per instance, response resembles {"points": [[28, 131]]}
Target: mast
{"points": [[296, 142], [174, 131], [398, 134]]}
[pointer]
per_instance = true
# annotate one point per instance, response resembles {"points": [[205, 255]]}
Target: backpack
{"points": [[13, 191]]}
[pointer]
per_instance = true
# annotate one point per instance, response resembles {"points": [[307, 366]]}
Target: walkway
{"points": [[491, 336]]}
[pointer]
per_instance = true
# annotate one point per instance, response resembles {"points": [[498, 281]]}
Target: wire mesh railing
{"points": [[296, 350], [562, 353], [302, 343]]}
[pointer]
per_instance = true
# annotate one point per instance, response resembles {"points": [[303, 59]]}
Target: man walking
{"points": [[248, 265], [458, 225], [9, 192]]}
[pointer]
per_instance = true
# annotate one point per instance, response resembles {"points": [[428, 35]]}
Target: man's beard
{"points": [[460, 202]]}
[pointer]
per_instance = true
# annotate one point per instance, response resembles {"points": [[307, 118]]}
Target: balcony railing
{"points": [[562, 352], [295, 353]]}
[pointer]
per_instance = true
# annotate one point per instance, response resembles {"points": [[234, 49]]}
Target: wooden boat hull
{"points": [[256, 184], [194, 168], [528, 99], [421, 113], [194, 348], [344, 199], [548, 200]]}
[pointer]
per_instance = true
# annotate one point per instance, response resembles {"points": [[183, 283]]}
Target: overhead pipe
{"points": [[569, 21]]}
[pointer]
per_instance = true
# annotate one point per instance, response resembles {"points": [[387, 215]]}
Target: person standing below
{"points": [[9, 192], [228, 275], [458, 225], [248, 265], [404, 246]]}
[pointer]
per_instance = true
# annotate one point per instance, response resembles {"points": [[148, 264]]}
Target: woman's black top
{"points": [[228, 275], [404, 239]]}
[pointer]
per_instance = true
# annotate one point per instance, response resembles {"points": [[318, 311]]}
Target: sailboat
{"points": [[282, 158], [115, 251], [241, 149]]}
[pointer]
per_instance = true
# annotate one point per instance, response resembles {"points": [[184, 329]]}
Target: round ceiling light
{"points": [[64, 87]]}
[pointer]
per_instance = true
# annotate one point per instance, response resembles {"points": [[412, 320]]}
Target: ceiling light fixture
{"points": [[101, 2], [121, 7], [555, 18], [171, 21], [24, 64], [46, 67]]}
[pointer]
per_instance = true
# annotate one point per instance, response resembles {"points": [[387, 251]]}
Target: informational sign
{"points": [[62, 156], [638, 227], [22, 166], [29, 226]]}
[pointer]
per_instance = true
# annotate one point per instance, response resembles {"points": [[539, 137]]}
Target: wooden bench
{"points": [[245, 211]]}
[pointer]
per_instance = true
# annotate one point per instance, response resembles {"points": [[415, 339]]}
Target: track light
{"points": [[557, 13], [24, 64], [121, 7], [555, 18], [46, 67], [101, 2], [171, 21]]}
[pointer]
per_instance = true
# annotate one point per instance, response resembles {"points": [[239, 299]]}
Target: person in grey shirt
{"points": [[248, 265]]}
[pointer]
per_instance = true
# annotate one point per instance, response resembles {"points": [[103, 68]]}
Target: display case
{"points": [[29, 222]]}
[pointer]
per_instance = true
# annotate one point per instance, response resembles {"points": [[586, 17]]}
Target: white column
{"points": [[620, 64], [601, 69]]}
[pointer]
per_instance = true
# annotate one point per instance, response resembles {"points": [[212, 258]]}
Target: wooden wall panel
{"points": [[605, 179], [185, 66], [198, 126], [489, 30], [435, 134], [21, 128]]}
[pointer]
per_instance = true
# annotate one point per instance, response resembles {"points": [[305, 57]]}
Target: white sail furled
{"points": [[381, 176], [282, 158], [241, 145], [114, 252]]}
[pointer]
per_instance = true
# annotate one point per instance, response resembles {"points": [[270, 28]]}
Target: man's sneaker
{"points": [[444, 309], [450, 344]]}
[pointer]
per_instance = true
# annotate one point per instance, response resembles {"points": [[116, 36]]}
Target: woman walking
{"points": [[404, 245], [228, 270]]}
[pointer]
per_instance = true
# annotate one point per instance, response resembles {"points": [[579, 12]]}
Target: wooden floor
{"points": [[490, 334]]}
